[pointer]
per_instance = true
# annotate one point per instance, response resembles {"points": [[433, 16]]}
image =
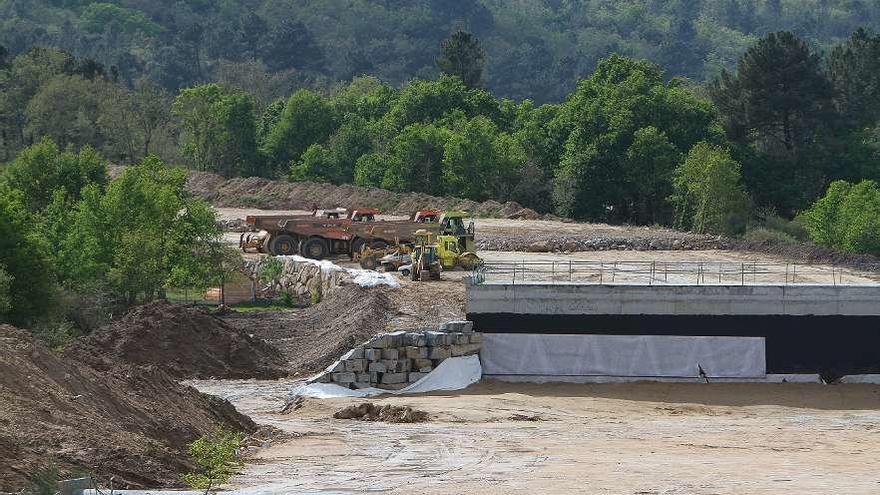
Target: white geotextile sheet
{"points": [[453, 374], [364, 278], [622, 355]]}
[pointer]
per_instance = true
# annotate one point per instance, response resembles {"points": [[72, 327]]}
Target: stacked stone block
{"points": [[393, 361]]}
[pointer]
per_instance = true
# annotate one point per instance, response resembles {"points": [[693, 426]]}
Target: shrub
{"points": [[217, 456], [847, 217]]}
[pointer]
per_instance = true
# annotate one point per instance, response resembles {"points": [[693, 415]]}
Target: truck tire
{"points": [[316, 248], [283, 245], [357, 246]]}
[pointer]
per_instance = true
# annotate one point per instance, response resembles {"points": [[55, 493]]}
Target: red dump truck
{"points": [[318, 237]]}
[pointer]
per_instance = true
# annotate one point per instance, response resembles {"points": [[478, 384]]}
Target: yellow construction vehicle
{"points": [[433, 254]]}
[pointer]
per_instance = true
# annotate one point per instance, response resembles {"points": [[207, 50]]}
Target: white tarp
{"points": [[364, 278], [453, 374], [622, 355]]}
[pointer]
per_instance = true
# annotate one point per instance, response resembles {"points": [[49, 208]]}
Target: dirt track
{"points": [[616, 439]]}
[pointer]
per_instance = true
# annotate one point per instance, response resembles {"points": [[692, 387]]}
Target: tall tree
{"points": [[463, 56], [855, 72], [779, 97]]}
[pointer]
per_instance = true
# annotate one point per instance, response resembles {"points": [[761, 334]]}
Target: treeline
{"points": [[537, 49], [628, 145]]}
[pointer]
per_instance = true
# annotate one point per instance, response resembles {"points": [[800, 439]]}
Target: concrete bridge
{"points": [[727, 323]]}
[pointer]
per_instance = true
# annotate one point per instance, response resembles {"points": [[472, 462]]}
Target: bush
{"points": [[217, 456], [766, 236], [847, 217]]}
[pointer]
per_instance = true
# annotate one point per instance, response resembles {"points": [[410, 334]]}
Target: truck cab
{"points": [[363, 214]]}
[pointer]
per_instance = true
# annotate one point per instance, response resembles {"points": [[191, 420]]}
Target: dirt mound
{"points": [[386, 414], [315, 337], [255, 192], [132, 423], [185, 342]]}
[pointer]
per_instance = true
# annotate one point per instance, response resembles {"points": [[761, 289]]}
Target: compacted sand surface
{"points": [[637, 438]]}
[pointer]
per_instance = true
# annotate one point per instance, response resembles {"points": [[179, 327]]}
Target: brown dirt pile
{"points": [[268, 194], [386, 414], [132, 423], [183, 341], [315, 337]]}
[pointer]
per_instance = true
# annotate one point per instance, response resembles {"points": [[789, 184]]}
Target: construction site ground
{"points": [[637, 438], [628, 438]]}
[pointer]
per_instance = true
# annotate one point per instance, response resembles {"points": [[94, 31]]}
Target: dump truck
{"points": [[260, 237], [319, 237]]}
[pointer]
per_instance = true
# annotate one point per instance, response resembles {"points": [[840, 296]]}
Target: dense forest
{"points": [[537, 49]]}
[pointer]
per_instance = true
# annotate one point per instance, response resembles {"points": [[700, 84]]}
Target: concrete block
{"points": [[457, 350], [437, 362], [373, 354], [379, 342], [390, 354], [421, 363], [437, 338], [476, 338], [344, 378], [414, 377], [356, 353], [440, 352], [451, 327], [322, 378], [467, 327], [460, 338], [413, 352], [397, 339], [356, 365], [390, 364], [403, 365], [359, 385], [362, 377], [426, 369], [336, 367], [374, 377], [416, 339], [392, 378], [377, 367]]}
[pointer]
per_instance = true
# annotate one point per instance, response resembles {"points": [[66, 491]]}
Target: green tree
{"points": [[709, 196], [463, 56], [855, 73], [307, 119], [143, 235], [66, 109], [779, 96], [479, 162], [218, 130], [847, 217], [649, 165], [40, 170], [607, 123], [27, 271]]}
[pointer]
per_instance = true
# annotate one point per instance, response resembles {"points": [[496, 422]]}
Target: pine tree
{"points": [[463, 56]]}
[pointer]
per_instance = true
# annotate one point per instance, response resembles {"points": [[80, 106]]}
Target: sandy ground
{"points": [[599, 439]]}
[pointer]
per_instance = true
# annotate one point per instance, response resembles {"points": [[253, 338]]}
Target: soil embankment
{"points": [[256, 192], [129, 422], [185, 342], [312, 338]]}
